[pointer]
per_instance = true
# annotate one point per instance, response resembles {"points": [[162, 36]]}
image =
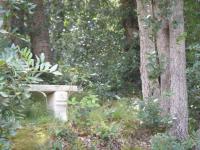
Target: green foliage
{"points": [[117, 120], [193, 75], [17, 70], [192, 23], [101, 124], [19, 10], [194, 140], [155, 65], [22, 5], [36, 110], [82, 107], [150, 115], [106, 122], [192, 26], [93, 37], [89, 101], [165, 142], [93, 57], [64, 138]]}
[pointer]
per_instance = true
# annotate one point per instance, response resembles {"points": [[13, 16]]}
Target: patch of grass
{"points": [[29, 138]]}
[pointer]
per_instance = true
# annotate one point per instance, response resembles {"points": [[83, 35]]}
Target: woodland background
{"points": [[138, 62]]}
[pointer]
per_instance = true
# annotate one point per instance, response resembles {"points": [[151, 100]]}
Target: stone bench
{"points": [[57, 96]]}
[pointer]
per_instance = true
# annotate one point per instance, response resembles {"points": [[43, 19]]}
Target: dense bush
{"points": [[93, 38], [17, 70]]}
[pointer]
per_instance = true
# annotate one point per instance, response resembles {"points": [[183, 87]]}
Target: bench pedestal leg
{"points": [[57, 103]]}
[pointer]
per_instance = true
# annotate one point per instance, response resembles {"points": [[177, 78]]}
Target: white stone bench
{"points": [[57, 96]]}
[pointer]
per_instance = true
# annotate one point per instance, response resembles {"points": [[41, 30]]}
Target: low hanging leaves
{"points": [[38, 65]]}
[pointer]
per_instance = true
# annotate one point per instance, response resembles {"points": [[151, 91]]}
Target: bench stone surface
{"points": [[57, 96], [53, 88]]}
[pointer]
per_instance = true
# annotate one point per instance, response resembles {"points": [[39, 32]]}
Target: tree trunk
{"points": [[162, 43], [150, 88], [179, 109], [163, 52], [167, 46], [39, 34]]}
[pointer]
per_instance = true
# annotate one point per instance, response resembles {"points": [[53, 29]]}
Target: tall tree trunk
{"points": [[165, 42], [150, 88], [179, 109], [40, 42]]}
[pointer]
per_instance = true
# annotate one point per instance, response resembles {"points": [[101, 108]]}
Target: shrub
{"points": [[17, 69], [150, 115], [106, 122], [165, 142], [81, 107], [64, 138]]}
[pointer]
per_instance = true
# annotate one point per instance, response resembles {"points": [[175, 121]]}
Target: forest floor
{"points": [[111, 126], [45, 136]]}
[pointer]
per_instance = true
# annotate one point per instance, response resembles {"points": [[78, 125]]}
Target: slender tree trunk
{"points": [[40, 42], [150, 88], [178, 109]]}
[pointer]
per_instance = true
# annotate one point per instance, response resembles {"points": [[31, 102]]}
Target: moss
{"points": [[30, 138]]}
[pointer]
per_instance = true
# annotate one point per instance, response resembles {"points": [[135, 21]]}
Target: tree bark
{"points": [[39, 34], [150, 88], [162, 43], [164, 54], [178, 109], [173, 78]]}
